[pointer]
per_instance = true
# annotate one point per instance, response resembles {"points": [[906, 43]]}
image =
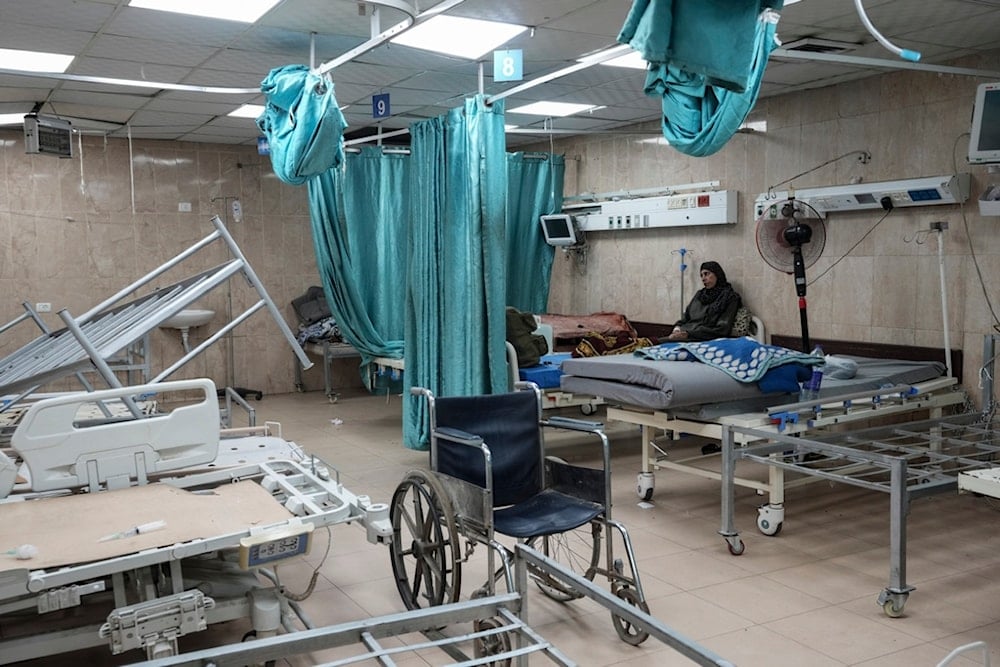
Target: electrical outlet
{"points": [[43, 307], [184, 207]]}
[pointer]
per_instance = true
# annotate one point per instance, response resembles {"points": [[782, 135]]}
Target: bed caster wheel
{"points": [[588, 408], [891, 609], [892, 603], [299, 387], [770, 519], [644, 485], [735, 546], [332, 398]]}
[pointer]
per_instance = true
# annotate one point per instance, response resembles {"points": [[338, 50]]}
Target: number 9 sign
{"points": [[380, 106]]}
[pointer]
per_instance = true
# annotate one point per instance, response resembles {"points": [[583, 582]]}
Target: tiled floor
{"points": [[805, 597]]}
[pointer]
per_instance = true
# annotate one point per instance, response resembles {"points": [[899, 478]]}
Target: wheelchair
{"points": [[489, 474]]}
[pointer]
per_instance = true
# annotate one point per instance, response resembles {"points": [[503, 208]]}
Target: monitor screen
{"points": [[984, 142], [559, 229]]}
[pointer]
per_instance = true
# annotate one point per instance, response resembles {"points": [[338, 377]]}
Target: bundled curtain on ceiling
{"points": [[455, 310], [302, 122], [706, 60], [535, 188]]}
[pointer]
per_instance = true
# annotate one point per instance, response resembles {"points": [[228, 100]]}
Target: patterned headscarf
{"points": [[718, 298]]}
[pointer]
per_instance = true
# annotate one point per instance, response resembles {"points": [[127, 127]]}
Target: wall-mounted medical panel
{"points": [[930, 190], [696, 208]]}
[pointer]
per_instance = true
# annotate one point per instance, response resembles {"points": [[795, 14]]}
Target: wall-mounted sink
{"points": [[188, 318]]}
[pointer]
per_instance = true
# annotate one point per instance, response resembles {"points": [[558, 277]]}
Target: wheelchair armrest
{"points": [[573, 424], [459, 436]]}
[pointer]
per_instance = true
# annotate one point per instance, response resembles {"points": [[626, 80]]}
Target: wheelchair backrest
{"points": [[509, 425]]}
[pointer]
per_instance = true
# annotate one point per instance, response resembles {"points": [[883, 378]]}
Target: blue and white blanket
{"points": [[744, 359]]}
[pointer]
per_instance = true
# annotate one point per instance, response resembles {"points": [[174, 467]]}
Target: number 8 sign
{"points": [[508, 65]]}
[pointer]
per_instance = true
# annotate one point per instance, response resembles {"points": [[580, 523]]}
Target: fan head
{"points": [[787, 227]]}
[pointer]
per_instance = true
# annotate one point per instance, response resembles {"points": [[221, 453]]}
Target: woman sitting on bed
{"points": [[712, 310]]}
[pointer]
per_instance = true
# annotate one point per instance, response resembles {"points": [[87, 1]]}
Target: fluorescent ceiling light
{"points": [[790, 2], [247, 111], [632, 60], [556, 109], [34, 61], [11, 119], [456, 36], [244, 11]]}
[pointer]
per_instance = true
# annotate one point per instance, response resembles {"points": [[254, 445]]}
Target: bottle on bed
{"points": [[810, 388]]}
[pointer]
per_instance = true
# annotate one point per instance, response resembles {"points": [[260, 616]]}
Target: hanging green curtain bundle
{"points": [[706, 60], [302, 122]]}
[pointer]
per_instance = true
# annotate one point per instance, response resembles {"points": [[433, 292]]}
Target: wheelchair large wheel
{"points": [[424, 548], [578, 550]]}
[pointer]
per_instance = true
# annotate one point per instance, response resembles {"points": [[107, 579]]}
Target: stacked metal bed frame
{"points": [[907, 461]]}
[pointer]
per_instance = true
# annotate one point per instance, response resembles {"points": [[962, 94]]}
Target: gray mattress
{"points": [[705, 391]]}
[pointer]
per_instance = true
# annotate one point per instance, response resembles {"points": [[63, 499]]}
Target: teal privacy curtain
{"points": [[348, 256], [535, 188], [455, 310], [706, 60], [376, 192]]}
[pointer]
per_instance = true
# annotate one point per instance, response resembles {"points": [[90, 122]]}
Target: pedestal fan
{"points": [[791, 236]]}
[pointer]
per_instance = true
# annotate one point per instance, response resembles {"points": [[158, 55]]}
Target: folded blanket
{"points": [[743, 359]]}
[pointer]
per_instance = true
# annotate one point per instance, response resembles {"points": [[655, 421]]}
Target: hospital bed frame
{"points": [[907, 461], [89, 341], [208, 518]]}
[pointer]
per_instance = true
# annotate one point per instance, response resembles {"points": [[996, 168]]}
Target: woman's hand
{"points": [[678, 334]]}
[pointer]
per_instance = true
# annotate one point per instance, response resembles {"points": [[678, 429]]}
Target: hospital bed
{"points": [[135, 531], [680, 397]]}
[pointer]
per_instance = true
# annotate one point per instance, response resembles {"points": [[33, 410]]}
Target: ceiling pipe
{"points": [[860, 61]]}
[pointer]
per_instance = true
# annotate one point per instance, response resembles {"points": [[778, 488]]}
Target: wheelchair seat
{"points": [[548, 512]]}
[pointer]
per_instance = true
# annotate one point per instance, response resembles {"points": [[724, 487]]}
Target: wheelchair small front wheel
{"points": [[491, 644], [628, 631], [424, 547]]}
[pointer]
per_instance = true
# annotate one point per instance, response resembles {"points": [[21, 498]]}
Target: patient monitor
{"points": [[559, 230]]}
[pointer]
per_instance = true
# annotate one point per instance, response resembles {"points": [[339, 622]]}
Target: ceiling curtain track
{"points": [[706, 93], [455, 317]]}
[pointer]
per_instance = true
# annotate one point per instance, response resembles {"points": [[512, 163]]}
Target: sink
{"points": [[188, 318]]}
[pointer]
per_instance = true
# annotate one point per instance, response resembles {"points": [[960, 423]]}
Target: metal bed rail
{"points": [[501, 632], [906, 461]]}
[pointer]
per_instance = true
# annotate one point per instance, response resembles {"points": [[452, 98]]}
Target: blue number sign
{"points": [[508, 65], [380, 106]]}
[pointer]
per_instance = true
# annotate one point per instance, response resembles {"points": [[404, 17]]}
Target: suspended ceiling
{"points": [[111, 39]]}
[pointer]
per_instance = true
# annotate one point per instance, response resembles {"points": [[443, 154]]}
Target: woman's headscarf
{"points": [[717, 298]]}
